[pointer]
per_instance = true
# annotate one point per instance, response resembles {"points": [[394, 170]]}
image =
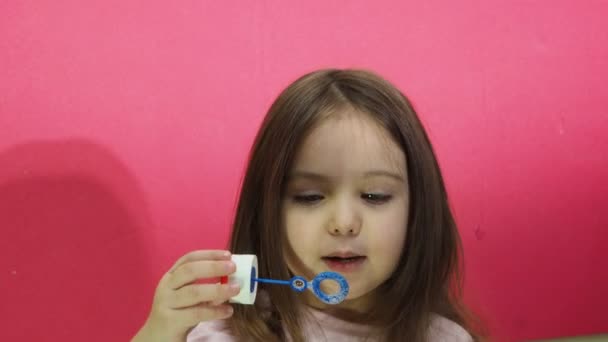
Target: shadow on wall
{"points": [[72, 254]]}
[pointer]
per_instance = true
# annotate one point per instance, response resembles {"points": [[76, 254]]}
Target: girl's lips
{"points": [[343, 265]]}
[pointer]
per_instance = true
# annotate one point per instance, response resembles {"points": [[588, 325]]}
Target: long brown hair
{"points": [[427, 278]]}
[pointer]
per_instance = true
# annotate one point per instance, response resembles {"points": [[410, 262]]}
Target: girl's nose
{"points": [[345, 219]]}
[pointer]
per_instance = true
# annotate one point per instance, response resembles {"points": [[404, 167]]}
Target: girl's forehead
{"points": [[349, 141]]}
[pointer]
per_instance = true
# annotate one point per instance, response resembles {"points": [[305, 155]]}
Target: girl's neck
{"points": [[348, 309]]}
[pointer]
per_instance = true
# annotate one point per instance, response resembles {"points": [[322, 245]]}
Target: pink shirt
{"points": [[325, 327]]}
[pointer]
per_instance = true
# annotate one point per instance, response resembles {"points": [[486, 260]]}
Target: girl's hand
{"points": [[180, 303]]}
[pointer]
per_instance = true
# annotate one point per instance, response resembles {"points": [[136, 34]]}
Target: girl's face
{"points": [[346, 206]]}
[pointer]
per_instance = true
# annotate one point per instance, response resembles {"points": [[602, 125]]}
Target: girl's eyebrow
{"points": [[309, 175], [323, 178], [383, 173]]}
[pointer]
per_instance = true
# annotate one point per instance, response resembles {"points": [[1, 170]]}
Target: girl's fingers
{"points": [[201, 255], [195, 294], [189, 272]]}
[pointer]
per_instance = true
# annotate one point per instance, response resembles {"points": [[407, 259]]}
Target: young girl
{"points": [[342, 177]]}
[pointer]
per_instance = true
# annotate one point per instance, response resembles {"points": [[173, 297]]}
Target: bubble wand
{"points": [[246, 275]]}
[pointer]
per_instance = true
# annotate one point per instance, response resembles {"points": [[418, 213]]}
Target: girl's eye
{"points": [[376, 198], [308, 199]]}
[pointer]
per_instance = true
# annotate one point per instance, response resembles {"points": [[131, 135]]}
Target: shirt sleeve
{"points": [[445, 330], [210, 331]]}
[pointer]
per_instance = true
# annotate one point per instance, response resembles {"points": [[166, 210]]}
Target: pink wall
{"points": [[124, 128]]}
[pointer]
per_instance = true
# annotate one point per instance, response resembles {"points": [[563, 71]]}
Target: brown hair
{"points": [[426, 280]]}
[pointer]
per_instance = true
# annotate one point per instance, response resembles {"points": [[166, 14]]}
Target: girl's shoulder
{"points": [[211, 331], [443, 329]]}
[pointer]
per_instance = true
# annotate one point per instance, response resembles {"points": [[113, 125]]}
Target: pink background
{"points": [[125, 125]]}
